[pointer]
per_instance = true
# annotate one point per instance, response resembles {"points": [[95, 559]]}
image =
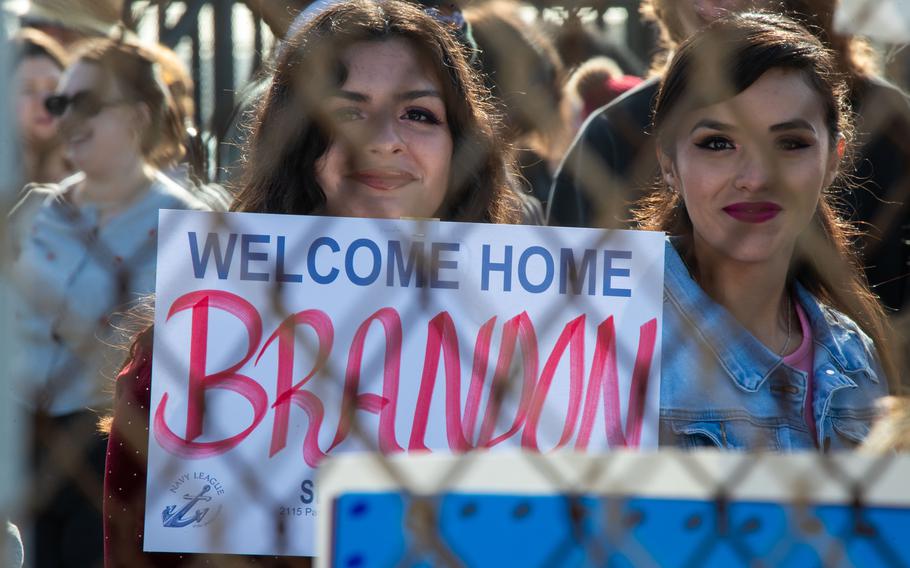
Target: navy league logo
{"points": [[198, 505]]}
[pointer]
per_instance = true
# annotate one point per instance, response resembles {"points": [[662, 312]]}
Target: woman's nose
{"points": [[383, 136], [753, 172]]}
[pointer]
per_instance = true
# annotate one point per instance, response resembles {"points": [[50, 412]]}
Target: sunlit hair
{"points": [[132, 69], [291, 129], [721, 62], [177, 78]]}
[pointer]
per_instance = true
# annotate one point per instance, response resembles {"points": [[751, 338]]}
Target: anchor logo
{"points": [[172, 519]]}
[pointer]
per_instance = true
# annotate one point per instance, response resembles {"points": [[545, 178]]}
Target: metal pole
{"points": [[224, 70], [11, 427]]}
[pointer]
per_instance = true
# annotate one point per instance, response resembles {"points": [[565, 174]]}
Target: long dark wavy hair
{"points": [[290, 131], [724, 60]]}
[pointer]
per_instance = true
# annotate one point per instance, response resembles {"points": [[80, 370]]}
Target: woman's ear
{"points": [[667, 169], [834, 159]]}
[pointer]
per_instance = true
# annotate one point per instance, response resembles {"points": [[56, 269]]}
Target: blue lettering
{"points": [[610, 272], [569, 271], [281, 275], [316, 276], [405, 270], [212, 243], [505, 267], [349, 262], [438, 264], [523, 269], [246, 255]]}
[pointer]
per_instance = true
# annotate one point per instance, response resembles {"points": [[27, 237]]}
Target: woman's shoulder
{"points": [[175, 196]]}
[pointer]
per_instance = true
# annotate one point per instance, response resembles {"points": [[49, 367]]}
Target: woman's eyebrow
{"points": [[419, 94], [711, 124], [405, 96], [351, 96], [795, 124]]}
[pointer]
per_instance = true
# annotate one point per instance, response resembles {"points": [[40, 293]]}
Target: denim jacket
{"points": [[721, 387]]}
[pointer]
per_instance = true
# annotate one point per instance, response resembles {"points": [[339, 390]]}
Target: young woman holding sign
{"points": [[785, 346], [373, 111]]}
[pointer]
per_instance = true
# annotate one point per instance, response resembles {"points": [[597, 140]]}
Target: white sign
{"points": [[268, 326]]}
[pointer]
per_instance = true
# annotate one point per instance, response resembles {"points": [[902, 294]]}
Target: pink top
{"points": [[801, 360]]}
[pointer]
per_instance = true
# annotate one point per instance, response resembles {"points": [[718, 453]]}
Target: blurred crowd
{"points": [[559, 118]]}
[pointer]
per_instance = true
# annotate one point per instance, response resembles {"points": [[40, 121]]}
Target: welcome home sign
{"points": [[282, 339]]}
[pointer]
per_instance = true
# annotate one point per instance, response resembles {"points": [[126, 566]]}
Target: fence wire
{"points": [[64, 457]]}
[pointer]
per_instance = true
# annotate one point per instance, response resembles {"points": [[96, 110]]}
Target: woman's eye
{"points": [[792, 144], [716, 144], [346, 114], [421, 115]]}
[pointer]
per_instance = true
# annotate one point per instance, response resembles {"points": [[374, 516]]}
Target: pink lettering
{"points": [[384, 405], [199, 381], [604, 375], [288, 393], [461, 424]]}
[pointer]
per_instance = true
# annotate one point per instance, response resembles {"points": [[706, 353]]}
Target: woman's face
{"points": [[101, 131], [36, 78], [751, 169], [391, 145]]}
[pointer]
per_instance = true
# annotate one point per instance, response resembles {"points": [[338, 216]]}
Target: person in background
{"points": [[612, 159], [594, 84], [83, 251], [373, 111], [881, 201], [578, 42], [772, 338], [40, 62], [522, 69], [192, 170]]}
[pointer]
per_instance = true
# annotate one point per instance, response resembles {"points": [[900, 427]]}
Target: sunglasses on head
{"points": [[84, 103]]}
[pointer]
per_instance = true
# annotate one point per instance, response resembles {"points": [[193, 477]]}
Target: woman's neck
{"points": [[115, 191], [754, 293], [44, 164]]}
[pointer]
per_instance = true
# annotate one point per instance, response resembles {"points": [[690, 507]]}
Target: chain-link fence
{"points": [[56, 490]]}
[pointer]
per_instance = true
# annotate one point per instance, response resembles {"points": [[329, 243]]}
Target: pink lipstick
{"points": [[383, 180], [753, 212]]}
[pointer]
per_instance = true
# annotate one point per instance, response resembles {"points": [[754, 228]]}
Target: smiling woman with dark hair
{"points": [[772, 337], [372, 111], [317, 108]]}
